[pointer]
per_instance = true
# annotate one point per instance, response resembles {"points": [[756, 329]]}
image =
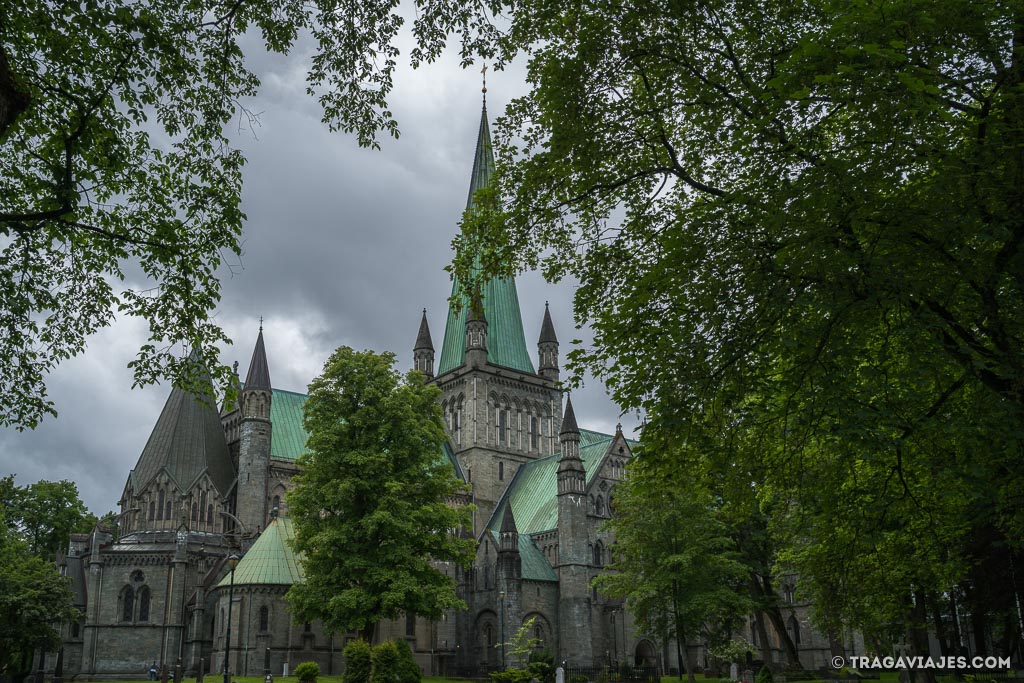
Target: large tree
{"points": [[115, 163], [34, 600], [378, 507], [44, 514], [799, 234], [674, 559]]}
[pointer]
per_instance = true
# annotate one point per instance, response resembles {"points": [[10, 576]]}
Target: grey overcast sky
{"points": [[342, 246]]}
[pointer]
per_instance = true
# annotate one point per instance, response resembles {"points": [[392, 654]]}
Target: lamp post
{"points": [[502, 631], [233, 562]]}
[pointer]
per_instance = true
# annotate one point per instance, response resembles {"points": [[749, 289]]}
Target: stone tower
{"points": [[510, 576], [575, 628], [500, 412], [423, 352], [254, 443]]}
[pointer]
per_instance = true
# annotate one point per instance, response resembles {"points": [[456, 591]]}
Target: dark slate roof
{"points": [[547, 328], [569, 420], [506, 341], [423, 340], [188, 439], [258, 376]]}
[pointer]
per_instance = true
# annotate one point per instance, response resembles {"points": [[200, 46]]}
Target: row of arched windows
{"points": [[514, 424], [160, 509]]}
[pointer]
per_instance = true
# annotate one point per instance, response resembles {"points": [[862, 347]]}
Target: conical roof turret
{"points": [[258, 376], [423, 341], [569, 420], [547, 328], [508, 521]]}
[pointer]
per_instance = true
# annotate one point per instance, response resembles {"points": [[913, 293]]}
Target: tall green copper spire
{"points": [[506, 343]]}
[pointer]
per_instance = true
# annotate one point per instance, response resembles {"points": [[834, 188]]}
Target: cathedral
{"points": [[195, 578]]}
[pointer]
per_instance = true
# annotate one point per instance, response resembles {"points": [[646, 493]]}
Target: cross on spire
{"points": [[483, 72]]}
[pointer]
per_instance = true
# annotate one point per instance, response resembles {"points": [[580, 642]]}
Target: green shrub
{"points": [[511, 676], [357, 662], [764, 675], [384, 663], [408, 669], [307, 672]]}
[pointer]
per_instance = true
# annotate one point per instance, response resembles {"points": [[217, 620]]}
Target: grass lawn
{"points": [[217, 678]]}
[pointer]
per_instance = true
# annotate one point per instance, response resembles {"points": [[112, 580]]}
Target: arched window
{"points": [[160, 505], [794, 629], [600, 506], [538, 633], [152, 511], [307, 627], [487, 578], [489, 635], [276, 504], [144, 604], [222, 620], [501, 471], [410, 624], [202, 506], [127, 603], [598, 554], [502, 426], [264, 618], [195, 512], [209, 513], [167, 513]]}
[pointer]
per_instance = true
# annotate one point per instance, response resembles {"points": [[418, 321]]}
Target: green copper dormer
{"points": [[506, 342]]}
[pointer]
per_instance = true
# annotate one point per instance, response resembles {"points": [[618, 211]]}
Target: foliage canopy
{"points": [[376, 506]]}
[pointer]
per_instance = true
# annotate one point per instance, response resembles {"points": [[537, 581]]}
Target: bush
{"points": [[384, 663], [307, 672], [408, 669], [357, 662], [764, 675]]}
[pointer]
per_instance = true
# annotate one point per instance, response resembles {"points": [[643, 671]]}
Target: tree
{"points": [[115, 164], [44, 514], [674, 560], [376, 504], [34, 599], [797, 231]]}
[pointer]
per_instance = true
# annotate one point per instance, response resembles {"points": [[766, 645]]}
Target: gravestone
{"points": [[734, 672], [748, 676], [559, 675]]}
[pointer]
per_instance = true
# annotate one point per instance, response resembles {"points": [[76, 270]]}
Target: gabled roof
{"points": [[186, 441], [258, 376], [271, 560], [506, 341], [533, 497]]}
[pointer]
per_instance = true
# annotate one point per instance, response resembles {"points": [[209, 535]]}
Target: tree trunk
{"points": [[762, 637], [941, 630], [917, 636]]}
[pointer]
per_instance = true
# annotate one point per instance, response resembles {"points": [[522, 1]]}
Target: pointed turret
{"points": [[254, 441], [258, 376], [506, 345], [574, 608], [423, 352], [509, 534], [547, 348]]}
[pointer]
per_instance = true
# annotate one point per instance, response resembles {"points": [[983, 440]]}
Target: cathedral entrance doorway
{"points": [[645, 655]]}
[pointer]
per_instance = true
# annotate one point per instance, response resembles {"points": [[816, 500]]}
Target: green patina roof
{"points": [[506, 342], [533, 495], [288, 436], [271, 559]]}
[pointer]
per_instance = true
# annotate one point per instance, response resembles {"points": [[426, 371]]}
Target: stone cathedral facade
{"points": [[212, 483]]}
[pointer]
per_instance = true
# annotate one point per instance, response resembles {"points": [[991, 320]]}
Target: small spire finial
{"points": [[483, 71], [261, 323]]}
